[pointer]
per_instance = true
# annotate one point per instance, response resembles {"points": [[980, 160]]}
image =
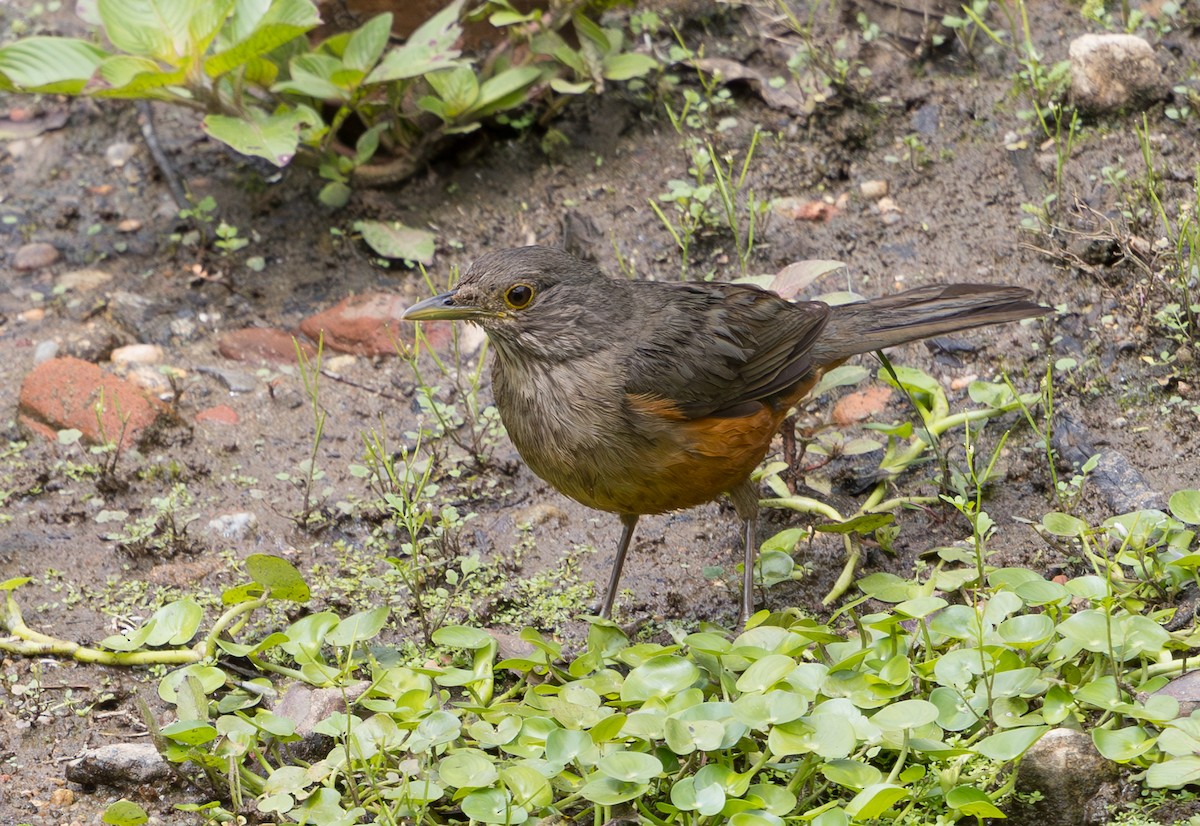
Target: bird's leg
{"points": [[745, 502], [628, 522], [751, 528]]}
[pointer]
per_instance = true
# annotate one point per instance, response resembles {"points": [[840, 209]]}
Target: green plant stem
{"points": [[30, 643]]}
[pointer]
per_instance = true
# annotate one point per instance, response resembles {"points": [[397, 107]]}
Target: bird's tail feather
{"points": [[866, 326]]}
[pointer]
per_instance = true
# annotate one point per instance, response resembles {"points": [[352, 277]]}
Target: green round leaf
{"points": [[1026, 630], [360, 627], [1063, 524], [630, 766], [972, 802], [467, 769], [874, 800], [608, 791], [851, 773], [765, 673], [1123, 744], [493, 806], [662, 676], [124, 813], [1185, 506], [461, 636], [906, 714], [278, 576], [1174, 773], [1010, 743]]}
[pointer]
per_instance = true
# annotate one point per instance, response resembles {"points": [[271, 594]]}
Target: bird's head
{"points": [[537, 300]]}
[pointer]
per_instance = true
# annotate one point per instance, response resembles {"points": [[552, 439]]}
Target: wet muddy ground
{"points": [[944, 132]]}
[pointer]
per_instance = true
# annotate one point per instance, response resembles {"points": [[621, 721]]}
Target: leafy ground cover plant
{"points": [[267, 92], [911, 705]]}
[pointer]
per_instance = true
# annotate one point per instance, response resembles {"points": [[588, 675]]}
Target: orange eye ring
{"points": [[518, 296]]}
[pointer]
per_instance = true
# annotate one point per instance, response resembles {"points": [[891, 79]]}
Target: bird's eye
{"points": [[518, 296]]}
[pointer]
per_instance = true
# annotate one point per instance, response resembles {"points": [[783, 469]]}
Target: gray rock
{"points": [[1075, 781], [118, 764], [45, 351], [306, 706], [1185, 689], [1111, 72], [238, 381], [234, 527]]}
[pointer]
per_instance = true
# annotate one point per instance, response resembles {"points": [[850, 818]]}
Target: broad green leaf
{"points": [[461, 636], [775, 799], [1010, 743], [906, 714], [273, 137], [1026, 630], [887, 587], [874, 800], [565, 746], [1063, 524], [457, 90], [313, 75], [759, 710], [851, 773], [765, 673], [687, 736], [190, 732], [175, 623], [132, 639], [394, 240], [662, 676], [504, 90], [1174, 773], [628, 66], [429, 49], [840, 376], [54, 65], [367, 43], [257, 28], [608, 791], [864, 524], [1123, 744], [972, 802], [1185, 506], [631, 766], [360, 627], [278, 576], [128, 76], [124, 813], [468, 769], [493, 806], [150, 28]]}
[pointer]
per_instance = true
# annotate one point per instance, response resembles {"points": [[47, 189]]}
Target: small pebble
{"points": [[148, 377], [234, 526], [887, 205], [874, 190], [32, 315], [539, 514], [962, 382], [45, 351], [62, 798], [238, 381], [137, 354], [83, 280], [129, 225], [118, 154], [340, 364], [34, 256]]}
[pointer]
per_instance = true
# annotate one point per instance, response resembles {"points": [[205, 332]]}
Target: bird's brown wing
{"points": [[720, 349]]}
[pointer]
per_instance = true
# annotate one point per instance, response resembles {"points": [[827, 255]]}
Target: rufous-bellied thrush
{"points": [[640, 397]]}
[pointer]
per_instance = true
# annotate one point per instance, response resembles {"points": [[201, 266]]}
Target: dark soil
{"points": [[959, 217]]}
